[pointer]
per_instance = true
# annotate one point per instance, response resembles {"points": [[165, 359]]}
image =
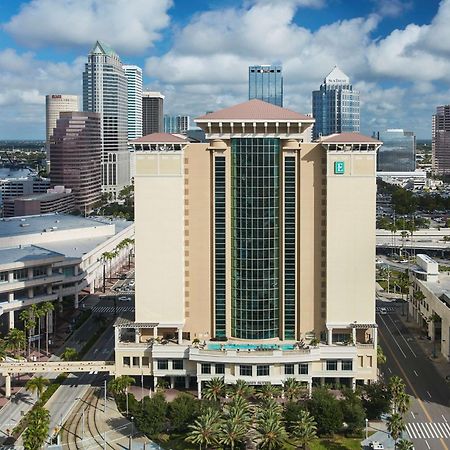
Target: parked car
{"points": [[376, 445], [124, 298]]}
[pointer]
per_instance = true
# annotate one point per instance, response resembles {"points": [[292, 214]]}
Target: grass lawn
{"points": [[336, 443]]}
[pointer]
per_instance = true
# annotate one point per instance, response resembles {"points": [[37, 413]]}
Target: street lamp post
{"points": [[132, 432], [367, 428]]}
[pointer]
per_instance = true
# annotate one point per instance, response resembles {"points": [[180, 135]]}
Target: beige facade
{"points": [[197, 315]]}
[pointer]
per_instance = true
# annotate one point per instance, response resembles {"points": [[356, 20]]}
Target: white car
{"points": [[124, 299], [376, 445]]}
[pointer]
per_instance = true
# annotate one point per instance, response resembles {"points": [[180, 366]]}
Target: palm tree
{"points": [[395, 426], [402, 403], [39, 313], [37, 384], [16, 340], [396, 388], [404, 444], [241, 389], [292, 389], [268, 391], [232, 432], [270, 433], [47, 308], [214, 389], [3, 347], [381, 357], [205, 430], [29, 322], [36, 432], [69, 354], [162, 384], [120, 385], [238, 409], [304, 429]]}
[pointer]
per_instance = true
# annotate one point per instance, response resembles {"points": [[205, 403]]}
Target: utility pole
{"points": [[104, 387]]}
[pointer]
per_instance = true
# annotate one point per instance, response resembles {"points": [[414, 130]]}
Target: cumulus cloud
{"points": [[131, 27], [206, 67]]}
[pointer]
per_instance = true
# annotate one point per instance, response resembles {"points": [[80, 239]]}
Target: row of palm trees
{"points": [[109, 256], [241, 422]]}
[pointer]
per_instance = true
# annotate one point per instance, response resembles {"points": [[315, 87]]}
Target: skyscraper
{"points": [[176, 124], [440, 143], [152, 112], [249, 240], [134, 88], [54, 104], [398, 152], [335, 105], [105, 92], [266, 83], [75, 157]]}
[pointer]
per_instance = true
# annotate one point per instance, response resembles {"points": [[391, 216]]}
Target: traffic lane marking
{"points": [[389, 331], [401, 335]]}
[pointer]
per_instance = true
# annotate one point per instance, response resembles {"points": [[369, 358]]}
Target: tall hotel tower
{"points": [[440, 143], [335, 105], [266, 83], [134, 88], [105, 92], [255, 254], [152, 112]]}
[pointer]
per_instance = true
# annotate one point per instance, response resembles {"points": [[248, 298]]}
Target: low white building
{"points": [[431, 310], [55, 257]]}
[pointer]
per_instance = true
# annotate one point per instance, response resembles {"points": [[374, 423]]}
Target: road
{"points": [[23, 401], [428, 421], [76, 386]]}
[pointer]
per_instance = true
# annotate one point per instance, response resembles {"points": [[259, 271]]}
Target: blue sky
{"points": [[396, 52]]}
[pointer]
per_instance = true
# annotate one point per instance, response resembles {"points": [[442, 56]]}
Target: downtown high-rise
{"points": [[176, 124], [265, 82], [247, 261], [398, 152], [134, 95], [335, 105], [152, 112], [105, 92], [440, 140]]}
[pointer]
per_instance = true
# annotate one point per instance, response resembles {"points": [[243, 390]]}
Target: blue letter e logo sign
{"points": [[339, 167]]}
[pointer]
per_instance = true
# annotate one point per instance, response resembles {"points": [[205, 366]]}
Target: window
{"points": [[206, 368], [163, 364], [289, 369], [220, 369], [3, 277], [39, 272], [135, 361], [245, 370], [177, 364], [347, 364], [360, 361], [332, 364], [369, 361], [21, 274], [145, 361], [303, 369], [126, 361], [262, 371]]}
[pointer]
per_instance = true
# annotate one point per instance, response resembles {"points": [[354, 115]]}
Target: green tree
{"points": [[36, 432], [242, 389], [37, 384], [291, 413], [29, 322], [353, 412], [214, 389], [182, 412], [292, 389], [238, 409], [270, 433], [152, 420], [326, 410], [304, 430], [232, 432], [120, 385], [204, 432], [397, 390], [381, 357], [69, 354], [268, 391], [47, 308], [395, 425], [16, 340], [404, 444], [376, 400]]}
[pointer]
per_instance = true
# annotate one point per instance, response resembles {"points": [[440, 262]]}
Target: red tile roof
{"points": [[351, 138], [255, 110], [159, 138]]}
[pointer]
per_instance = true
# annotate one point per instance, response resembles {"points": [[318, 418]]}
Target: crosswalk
{"points": [[426, 430], [110, 309]]}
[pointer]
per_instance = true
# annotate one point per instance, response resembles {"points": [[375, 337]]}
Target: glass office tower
{"points": [[266, 83], [398, 152], [335, 105]]}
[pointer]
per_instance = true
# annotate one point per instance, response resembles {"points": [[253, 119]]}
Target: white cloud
{"points": [[392, 8], [128, 26]]}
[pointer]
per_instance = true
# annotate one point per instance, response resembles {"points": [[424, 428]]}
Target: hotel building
{"points": [[255, 254]]}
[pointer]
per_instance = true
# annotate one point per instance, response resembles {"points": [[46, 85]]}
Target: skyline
{"points": [[198, 55]]}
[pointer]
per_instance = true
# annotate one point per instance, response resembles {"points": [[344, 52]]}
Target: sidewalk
{"points": [[440, 363]]}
